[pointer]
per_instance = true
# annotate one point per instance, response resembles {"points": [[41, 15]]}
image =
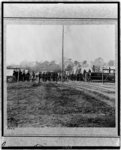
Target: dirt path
{"points": [[58, 105], [92, 91]]}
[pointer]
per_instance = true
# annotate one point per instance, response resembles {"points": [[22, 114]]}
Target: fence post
{"points": [[62, 53]]}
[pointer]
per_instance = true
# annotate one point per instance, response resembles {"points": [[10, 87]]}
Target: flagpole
{"points": [[62, 53]]}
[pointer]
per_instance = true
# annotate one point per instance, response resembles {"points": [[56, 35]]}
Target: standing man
{"points": [[40, 76], [33, 76]]}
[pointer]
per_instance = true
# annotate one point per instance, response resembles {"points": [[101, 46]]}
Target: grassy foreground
{"points": [[71, 104]]}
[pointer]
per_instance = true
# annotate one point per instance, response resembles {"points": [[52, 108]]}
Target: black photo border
{"points": [[2, 65]]}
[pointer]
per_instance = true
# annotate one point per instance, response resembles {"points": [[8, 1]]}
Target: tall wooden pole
{"points": [[62, 54], [102, 75]]}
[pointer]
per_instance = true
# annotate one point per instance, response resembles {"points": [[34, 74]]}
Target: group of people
{"points": [[55, 76], [31, 76], [85, 76], [50, 76], [21, 75]]}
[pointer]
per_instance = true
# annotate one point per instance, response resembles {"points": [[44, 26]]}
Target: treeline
{"points": [[41, 66], [95, 65], [69, 64]]}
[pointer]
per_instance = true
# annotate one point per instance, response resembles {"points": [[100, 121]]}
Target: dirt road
{"points": [[71, 104]]}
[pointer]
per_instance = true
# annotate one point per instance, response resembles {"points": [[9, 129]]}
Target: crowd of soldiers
{"points": [[31, 76], [50, 76], [85, 76], [21, 75]]}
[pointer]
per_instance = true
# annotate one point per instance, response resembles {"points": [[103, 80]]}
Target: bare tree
{"points": [[97, 64], [111, 63]]}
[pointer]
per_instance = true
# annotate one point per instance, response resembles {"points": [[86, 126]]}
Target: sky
{"points": [[44, 42]]}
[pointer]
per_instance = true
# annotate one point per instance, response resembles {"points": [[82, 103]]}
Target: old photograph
{"points": [[60, 75], [60, 70]]}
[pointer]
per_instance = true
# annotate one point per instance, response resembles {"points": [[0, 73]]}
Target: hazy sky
{"points": [[44, 42]]}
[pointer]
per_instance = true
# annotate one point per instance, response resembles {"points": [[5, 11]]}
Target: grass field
{"points": [[68, 104]]}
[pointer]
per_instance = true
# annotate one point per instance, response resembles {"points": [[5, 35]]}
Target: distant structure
{"points": [[108, 69], [11, 69]]}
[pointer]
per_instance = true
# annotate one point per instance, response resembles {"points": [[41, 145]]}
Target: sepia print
{"points": [[60, 74]]}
